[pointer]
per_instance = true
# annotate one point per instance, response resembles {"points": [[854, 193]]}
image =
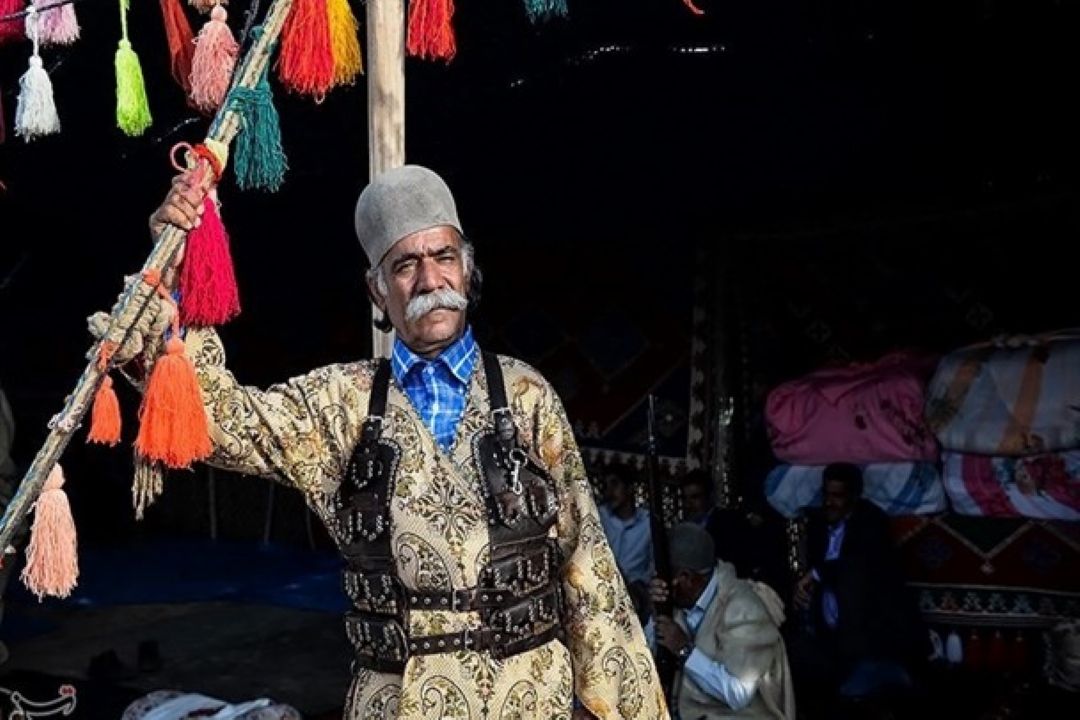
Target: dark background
{"points": [[888, 168]]}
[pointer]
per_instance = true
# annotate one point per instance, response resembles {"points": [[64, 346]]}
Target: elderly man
{"points": [[725, 633], [450, 480]]}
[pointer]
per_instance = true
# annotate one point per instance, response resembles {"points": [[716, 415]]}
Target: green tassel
{"points": [[258, 160], [543, 9], [132, 108]]}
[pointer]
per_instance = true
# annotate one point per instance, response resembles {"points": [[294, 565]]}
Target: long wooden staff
{"points": [[223, 129]]}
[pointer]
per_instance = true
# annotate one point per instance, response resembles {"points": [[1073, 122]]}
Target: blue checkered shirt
{"points": [[438, 388]]}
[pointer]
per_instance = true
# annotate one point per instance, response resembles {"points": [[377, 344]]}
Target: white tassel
{"points": [[35, 113]]}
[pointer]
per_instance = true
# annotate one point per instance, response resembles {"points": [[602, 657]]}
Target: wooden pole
{"points": [[386, 107]]}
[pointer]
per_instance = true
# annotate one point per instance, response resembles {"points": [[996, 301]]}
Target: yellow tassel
{"points": [[345, 42]]}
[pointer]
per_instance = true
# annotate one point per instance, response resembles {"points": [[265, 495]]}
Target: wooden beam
{"points": [[386, 106]]}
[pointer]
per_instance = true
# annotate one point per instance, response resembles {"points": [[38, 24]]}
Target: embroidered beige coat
{"points": [[302, 433]]}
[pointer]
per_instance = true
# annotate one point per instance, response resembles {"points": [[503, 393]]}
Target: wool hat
{"points": [[400, 202]]}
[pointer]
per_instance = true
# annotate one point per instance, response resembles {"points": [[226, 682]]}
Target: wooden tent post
{"points": [[386, 106]]}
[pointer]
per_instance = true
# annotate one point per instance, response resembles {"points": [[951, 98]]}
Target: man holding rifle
{"points": [[725, 635]]}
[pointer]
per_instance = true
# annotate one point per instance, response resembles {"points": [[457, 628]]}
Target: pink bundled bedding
{"points": [[861, 413]]}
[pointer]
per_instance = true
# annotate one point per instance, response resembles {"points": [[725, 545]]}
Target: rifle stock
{"points": [[666, 663]]}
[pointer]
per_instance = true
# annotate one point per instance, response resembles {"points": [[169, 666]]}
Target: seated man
{"points": [[725, 633], [626, 527], [862, 632], [753, 543]]}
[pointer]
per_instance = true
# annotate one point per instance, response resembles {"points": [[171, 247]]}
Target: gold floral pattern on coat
{"points": [[302, 433]]}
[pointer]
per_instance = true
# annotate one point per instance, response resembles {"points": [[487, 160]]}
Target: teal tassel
{"points": [[543, 9], [259, 159]]}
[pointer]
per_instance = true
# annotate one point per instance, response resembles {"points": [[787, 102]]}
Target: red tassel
{"points": [[181, 42], [431, 34], [974, 653], [208, 294], [12, 29], [52, 561], [105, 415], [997, 654], [173, 427], [306, 64]]}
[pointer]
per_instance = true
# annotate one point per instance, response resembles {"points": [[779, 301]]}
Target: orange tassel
{"points": [[173, 427], [52, 561], [430, 32], [105, 415]]}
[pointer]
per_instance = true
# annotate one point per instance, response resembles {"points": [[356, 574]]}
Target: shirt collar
{"points": [[640, 514], [459, 358], [706, 597]]}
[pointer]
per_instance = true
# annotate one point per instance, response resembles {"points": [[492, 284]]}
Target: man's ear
{"points": [[373, 293]]}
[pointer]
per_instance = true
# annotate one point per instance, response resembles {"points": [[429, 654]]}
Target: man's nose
{"points": [[428, 277]]}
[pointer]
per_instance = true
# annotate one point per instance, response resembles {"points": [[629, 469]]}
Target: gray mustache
{"points": [[444, 299]]}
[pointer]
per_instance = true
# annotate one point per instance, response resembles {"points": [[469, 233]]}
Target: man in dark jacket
{"points": [[862, 633]]}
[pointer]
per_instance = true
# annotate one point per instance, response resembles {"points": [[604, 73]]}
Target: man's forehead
{"points": [[425, 242]]}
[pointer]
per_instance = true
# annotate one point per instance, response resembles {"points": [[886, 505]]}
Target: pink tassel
{"points": [[11, 29], [58, 25], [208, 293], [215, 58], [52, 562]]}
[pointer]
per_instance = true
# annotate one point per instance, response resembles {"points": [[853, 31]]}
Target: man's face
{"points": [[838, 502], [695, 500], [425, 269], [685, 589], [617, 493]]}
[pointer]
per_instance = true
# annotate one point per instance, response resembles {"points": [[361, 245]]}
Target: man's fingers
{"points": [[181, 217]]}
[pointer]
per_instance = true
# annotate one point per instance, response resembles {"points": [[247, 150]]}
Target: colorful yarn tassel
{"points": [[132, 108], [208, 294], [181, 42], [52, 561], [58, 25], [35, 112], [345, 42], [545, 9], [147, 485], [431, 32], [105, 420], [214, 61], [11, 29], [306, 63], [205, 6], [172, 421], [259, 160]]}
